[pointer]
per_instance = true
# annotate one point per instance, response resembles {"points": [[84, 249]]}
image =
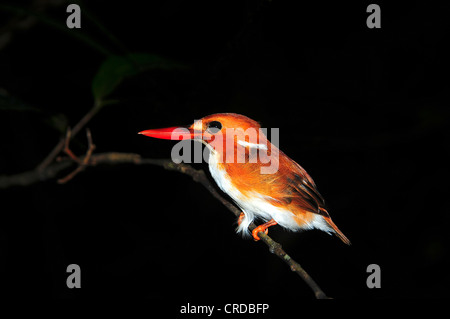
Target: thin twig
{"points": [[73, 132], [82, 164], [67, 149]]}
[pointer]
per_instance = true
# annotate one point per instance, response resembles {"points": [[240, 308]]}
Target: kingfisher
{"points": [[263, 181]]}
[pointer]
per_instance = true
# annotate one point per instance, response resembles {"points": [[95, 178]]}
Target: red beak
{"points": [[171, 133]]}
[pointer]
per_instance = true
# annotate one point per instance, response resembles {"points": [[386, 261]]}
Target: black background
{"points": [[364, 111]]}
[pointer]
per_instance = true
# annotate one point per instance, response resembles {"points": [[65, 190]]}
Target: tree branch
{"points": [[51, 171]]}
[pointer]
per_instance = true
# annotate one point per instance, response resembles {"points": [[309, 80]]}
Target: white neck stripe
{"points": [[253, 145]]}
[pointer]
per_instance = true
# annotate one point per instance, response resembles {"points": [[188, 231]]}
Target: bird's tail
{"points": [[336, 230]]}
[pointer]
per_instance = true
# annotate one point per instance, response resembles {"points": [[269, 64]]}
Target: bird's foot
{"points": [[262, 228], [258, 229], [241, 218]]}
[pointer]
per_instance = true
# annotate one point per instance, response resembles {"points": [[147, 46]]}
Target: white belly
{"points": [[253, 205]]}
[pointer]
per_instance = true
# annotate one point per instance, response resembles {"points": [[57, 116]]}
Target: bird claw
{"points": [[258, 229], [262, 228]]}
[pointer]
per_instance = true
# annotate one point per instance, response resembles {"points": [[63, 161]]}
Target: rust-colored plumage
{"points": [[240, 152]]}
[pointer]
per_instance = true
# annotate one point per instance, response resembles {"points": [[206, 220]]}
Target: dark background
{"points": [[364, 111]]}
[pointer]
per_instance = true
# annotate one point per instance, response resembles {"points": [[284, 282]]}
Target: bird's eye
{"points": [[214, 127]]}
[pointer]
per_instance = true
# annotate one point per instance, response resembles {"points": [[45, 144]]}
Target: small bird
{"points": [[286, 196]]}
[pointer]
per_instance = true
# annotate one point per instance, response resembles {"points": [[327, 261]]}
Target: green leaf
{"points": [[9, 103], [57, 121], [116, 68]]}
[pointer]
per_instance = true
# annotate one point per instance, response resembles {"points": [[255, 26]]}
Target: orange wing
{"points": [[301, 191]]}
